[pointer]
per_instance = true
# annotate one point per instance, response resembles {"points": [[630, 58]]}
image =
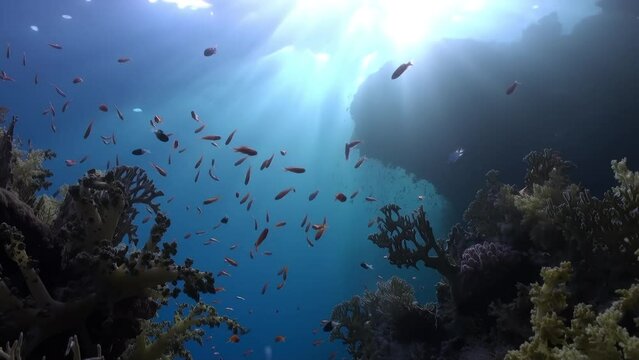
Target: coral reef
{"points": [[65, 269], [507, 239], [590, 335], [385, 324]]}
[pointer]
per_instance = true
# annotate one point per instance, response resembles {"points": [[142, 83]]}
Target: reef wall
{"points": [[577, 95]]}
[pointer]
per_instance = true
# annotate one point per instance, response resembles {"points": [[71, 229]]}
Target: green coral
{"points": [[167, 340], [589, 336], [29, 174]]}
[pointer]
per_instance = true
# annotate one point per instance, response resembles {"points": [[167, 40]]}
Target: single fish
{"points": [[77, 80], [340, 197], [199, 161], [210, 51], [195, 116], [211, 137], [261, 238], [103, 107], [400, 70], [280, 338], [283, 193], [87, 132], [66, 105], [455, 155], [120, 115], [313, 195], [360, 162], [240, 161], [247, 177], [230, 137], [159, 169], [210, 200], [245, 150], [123, 60], [231, 261], [296, 170], [366, 266], [56, 46], [511, 89]]}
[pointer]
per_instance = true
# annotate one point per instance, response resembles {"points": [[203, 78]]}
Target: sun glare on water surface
{"points": [[186, 4]]}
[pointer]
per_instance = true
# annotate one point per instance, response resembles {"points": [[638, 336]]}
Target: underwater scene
{"points": [[319, 179]]}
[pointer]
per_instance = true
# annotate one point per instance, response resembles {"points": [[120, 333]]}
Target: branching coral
{"points": [[493, 208], [385, 324], [590, 335], [23, 172], [74, 275], [410, 239]]}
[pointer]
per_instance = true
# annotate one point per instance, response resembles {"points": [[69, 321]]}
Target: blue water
{"points": [[283, 76]]}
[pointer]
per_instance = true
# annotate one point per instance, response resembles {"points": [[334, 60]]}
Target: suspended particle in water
{"points": [[34, 28], [66, 17]]}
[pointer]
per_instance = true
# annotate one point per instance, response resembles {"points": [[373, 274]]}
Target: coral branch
{"points": [[398, 234]]}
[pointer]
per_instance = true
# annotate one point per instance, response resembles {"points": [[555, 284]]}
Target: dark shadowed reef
{"points": [[578, 94]]}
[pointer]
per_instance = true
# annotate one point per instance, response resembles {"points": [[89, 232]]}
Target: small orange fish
{"points": [[159, 169], [211, 137], [261, 238], [247, 178], [234, 339], [281, 285], [230, 137], [211, 200], [283, 193], [245, 150], [296, 170], [87, 132], [231, 261], [280, 338], [240, 161]]}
